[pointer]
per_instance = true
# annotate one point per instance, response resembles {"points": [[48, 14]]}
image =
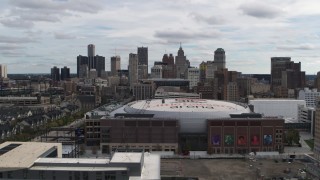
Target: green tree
{"points": [[292, 137]]}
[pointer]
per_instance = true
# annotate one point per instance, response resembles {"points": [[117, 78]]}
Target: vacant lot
{"points": [[228, 168]]}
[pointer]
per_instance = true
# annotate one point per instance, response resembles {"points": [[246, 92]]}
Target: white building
{"points": [[211, 69], [286, 108], [232, 91], [193, 75], [3, 71], [34, 160], [156, 71], [309, 95], [307, 115]]}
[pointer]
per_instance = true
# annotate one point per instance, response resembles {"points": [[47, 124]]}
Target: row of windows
{"points": [[93, 135], [93, 123], [278, 131], [146, 148]]}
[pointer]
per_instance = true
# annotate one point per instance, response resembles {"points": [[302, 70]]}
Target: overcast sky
{"points": [[36, 35]]}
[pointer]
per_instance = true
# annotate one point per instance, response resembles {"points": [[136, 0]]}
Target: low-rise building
{"points": [[24, 100], [132, 133], [31, 160]]}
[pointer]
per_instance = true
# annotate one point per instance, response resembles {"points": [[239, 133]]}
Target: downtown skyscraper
{"points": [[182, 64], [133, 69], [115, 65], [142, 53], [92, 61]]}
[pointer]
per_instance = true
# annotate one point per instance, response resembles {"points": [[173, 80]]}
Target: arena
{"points": [[181, 124], [191, 113]]}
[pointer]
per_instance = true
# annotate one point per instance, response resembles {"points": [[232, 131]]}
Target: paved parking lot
{"points": [[221, 169]]}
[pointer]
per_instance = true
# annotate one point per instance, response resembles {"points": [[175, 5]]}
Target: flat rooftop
{"points": [[21, 155], [128, 157]]}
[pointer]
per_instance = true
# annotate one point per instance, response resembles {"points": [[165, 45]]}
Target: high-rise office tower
{"points": [[91, 50], [115, 65], [142, 53], [182, 64], [286, 74], [81, 60], [278, 64], [91, 56], [93, 61], [65, 73], [142, 56], [55, 74], [133, 69], [99, 64], [220, 58], [3, 71], [168, 67]]}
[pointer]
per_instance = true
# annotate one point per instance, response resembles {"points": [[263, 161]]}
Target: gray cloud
{"points": [[210, 20], [9, 53], [92, 6], [15, 40], [25, 13], [63, 36], [16, 23], [37, 16], [5, 47], [173, 36], [260, 10], [296, 47]]}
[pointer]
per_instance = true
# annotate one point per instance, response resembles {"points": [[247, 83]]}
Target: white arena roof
{"points": [[186, 105], [191, 113]]}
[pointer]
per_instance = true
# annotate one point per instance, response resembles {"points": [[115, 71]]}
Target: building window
{"points": [[85, 176], [10, 175]]}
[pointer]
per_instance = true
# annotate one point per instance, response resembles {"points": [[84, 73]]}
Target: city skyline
{"points": [[43, 34]]}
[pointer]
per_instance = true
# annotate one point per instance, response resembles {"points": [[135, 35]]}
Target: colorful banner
{"points": [[267, 139], [255, 140], [215, 140], [229, 139], [242, 140]]}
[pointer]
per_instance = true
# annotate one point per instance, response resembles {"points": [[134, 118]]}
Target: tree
{"points": [[292, 136]]}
